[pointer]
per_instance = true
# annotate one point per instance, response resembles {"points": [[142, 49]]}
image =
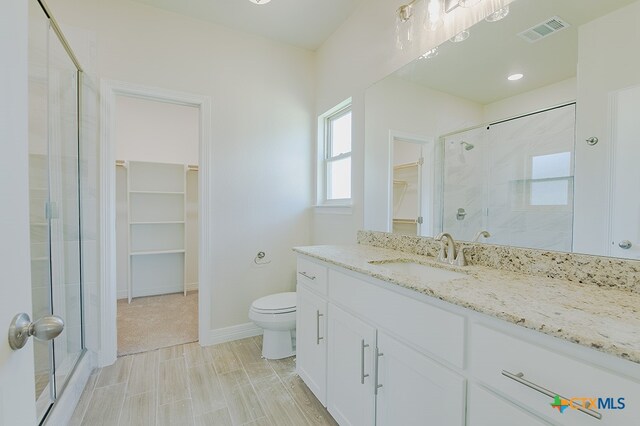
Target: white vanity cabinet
{"points": [[350, 369], [414, 390], [311, 342], [391, 356]]}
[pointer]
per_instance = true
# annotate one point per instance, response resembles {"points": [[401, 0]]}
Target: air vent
{"points": [[544, 29]]}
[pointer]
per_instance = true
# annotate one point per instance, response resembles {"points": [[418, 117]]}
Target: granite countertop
{"points": [[606, 319]]}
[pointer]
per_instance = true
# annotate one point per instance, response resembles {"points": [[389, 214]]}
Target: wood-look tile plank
{"points": [[172, 381], [215, 418], [196, 354], [118, 372], [242, 401], [178, 413], [206, 392], [139, 410], [315, 413], [171, 352], [224, 357], [144, 373], [85, 399], [251, 358], [105, 406], [280, 406], [260, 422]]}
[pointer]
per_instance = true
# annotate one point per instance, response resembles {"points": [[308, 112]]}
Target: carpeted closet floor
{"points": [[154, 322]]}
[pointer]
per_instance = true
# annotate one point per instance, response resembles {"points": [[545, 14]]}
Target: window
{"points": [[336, 155], [550, 176]]}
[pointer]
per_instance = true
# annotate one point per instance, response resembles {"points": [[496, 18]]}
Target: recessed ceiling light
{"points": [[461, 36], [514, 77], [498, 15], [260, 1], [430, 53]]}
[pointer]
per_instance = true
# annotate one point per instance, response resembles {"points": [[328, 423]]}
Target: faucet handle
{"points": [[461, 260]]}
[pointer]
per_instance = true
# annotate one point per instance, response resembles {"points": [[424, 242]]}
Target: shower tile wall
{"points": [[517, 181]]}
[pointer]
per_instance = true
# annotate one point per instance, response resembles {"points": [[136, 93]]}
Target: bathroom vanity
{"points": [[379, 342]]}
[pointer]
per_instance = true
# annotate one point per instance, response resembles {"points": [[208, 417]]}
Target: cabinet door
{"points": [[484, 408], [414, 390], [311, 342], [352, 343]]}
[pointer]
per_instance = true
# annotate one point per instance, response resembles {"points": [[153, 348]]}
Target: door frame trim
{"points": [[109, 89]]}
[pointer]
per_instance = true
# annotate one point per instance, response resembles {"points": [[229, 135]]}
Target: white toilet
{"points": [[276, 315]]}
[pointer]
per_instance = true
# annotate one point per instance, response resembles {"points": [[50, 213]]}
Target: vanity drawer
{"points": [[492, 352], [313, 274], [431, 329]]}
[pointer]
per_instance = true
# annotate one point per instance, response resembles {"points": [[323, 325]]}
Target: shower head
{"points": [[467, 146]]}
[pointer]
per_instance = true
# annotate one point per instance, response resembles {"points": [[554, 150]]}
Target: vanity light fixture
{"points": [[498, 15], [461, 36], [260, 1], [514, 77]]}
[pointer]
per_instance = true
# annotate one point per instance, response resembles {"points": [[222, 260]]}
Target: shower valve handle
{"points": [[21, 328]]}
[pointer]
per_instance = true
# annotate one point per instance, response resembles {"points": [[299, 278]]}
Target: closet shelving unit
{"points": [[156, 199]]}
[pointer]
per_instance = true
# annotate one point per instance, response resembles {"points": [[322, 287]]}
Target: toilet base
{"points": [[277, 344]]}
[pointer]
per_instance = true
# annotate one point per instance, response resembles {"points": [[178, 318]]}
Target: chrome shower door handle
{"points": [[362, 375], [21, 328], [625, 244]]}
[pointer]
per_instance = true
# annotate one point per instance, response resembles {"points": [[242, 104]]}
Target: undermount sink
{"points": [[418, 270]]}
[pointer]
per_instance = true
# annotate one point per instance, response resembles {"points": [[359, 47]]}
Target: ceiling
{"points": [[302, 23], [476, 69]]}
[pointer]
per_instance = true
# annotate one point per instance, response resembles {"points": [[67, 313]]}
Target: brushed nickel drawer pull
{"points": [[377, 383], [362, 375], [519, 377], [304, 274]]}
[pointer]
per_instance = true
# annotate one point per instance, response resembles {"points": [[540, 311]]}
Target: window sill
{"points": [[333, 208]]}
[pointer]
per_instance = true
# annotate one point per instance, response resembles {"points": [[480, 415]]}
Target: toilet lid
{"points": [[276, 302]]}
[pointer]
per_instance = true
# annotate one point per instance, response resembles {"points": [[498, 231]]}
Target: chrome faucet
{"points": [[446, 239], [479, 234]]}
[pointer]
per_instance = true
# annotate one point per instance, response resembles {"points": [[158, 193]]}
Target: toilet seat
{"points": [[280, 303]]}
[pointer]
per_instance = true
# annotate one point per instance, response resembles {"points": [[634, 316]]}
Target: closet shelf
{"points": [[157, 192], [145, 253], [410, 221], [405, 166], [161, 222]]}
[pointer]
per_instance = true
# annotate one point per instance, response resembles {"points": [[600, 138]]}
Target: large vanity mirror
{"points": [[457, 142]]}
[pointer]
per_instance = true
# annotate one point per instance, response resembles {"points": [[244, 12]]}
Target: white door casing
{"points": [[625, 174]]}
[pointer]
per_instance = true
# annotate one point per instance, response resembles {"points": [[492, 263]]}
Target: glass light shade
{"points": [[435, 14], [404, 26], [430, 54], [468, 3], [498, 15], [461, 36]]}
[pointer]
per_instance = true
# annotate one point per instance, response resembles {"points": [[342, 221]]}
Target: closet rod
{"points": [[121, 163]]}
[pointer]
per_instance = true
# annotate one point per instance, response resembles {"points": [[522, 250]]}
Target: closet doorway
{"points": [[157, 227]]}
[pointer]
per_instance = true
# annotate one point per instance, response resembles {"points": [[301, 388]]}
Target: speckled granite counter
{"points": [[607, 319]]}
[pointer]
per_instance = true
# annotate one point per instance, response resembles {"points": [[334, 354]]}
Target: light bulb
{"points": [[435, 14], [430, 53]]}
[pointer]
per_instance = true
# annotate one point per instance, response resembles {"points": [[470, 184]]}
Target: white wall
{"points": [[158, 132], [607, 61], [397, 105], [361, 52], [554, 94], [262, 123]]}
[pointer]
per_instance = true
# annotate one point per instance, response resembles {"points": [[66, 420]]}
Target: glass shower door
{"points": [[54, 205]]}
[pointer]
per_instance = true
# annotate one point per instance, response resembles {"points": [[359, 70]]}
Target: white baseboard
{"points": [[122, 294], [227, 334], [66, 404]]}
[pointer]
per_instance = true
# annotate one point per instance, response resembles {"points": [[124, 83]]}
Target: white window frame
{"points": [[324, 159]]}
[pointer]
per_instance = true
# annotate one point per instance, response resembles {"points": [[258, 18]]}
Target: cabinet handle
{"points": [[318, 338], [378, 385], [519, 377], [304, 274], [362, 375]]}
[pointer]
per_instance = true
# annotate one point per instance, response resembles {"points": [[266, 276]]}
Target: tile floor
{"points": [[225, 384]]}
